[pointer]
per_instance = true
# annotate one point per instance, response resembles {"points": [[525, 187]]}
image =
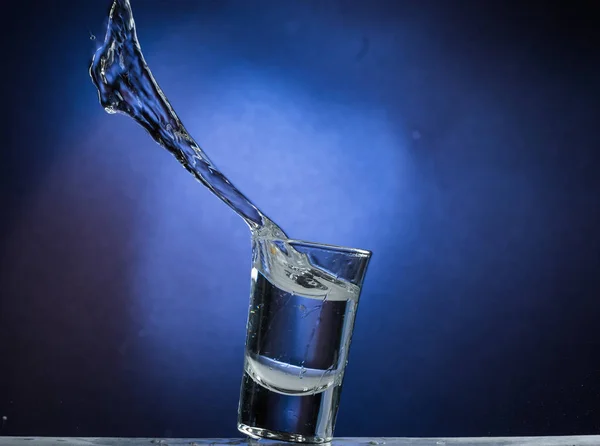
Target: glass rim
{"points": [[365, 253]]}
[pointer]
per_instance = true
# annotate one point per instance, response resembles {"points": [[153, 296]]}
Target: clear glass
{"points": [[302, 310]]}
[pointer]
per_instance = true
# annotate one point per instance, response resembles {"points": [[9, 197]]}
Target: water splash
{"points": [[125, 85]]}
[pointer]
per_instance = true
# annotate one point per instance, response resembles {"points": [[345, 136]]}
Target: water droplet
{"points": [[302, 372]]}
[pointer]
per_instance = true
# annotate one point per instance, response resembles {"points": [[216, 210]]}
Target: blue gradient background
{"points": [[458, 142]]}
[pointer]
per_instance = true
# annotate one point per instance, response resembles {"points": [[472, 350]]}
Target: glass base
{"points": [[258, 433]]}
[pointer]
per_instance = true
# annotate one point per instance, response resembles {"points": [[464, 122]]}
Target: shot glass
{"points": [[303, 304]]}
